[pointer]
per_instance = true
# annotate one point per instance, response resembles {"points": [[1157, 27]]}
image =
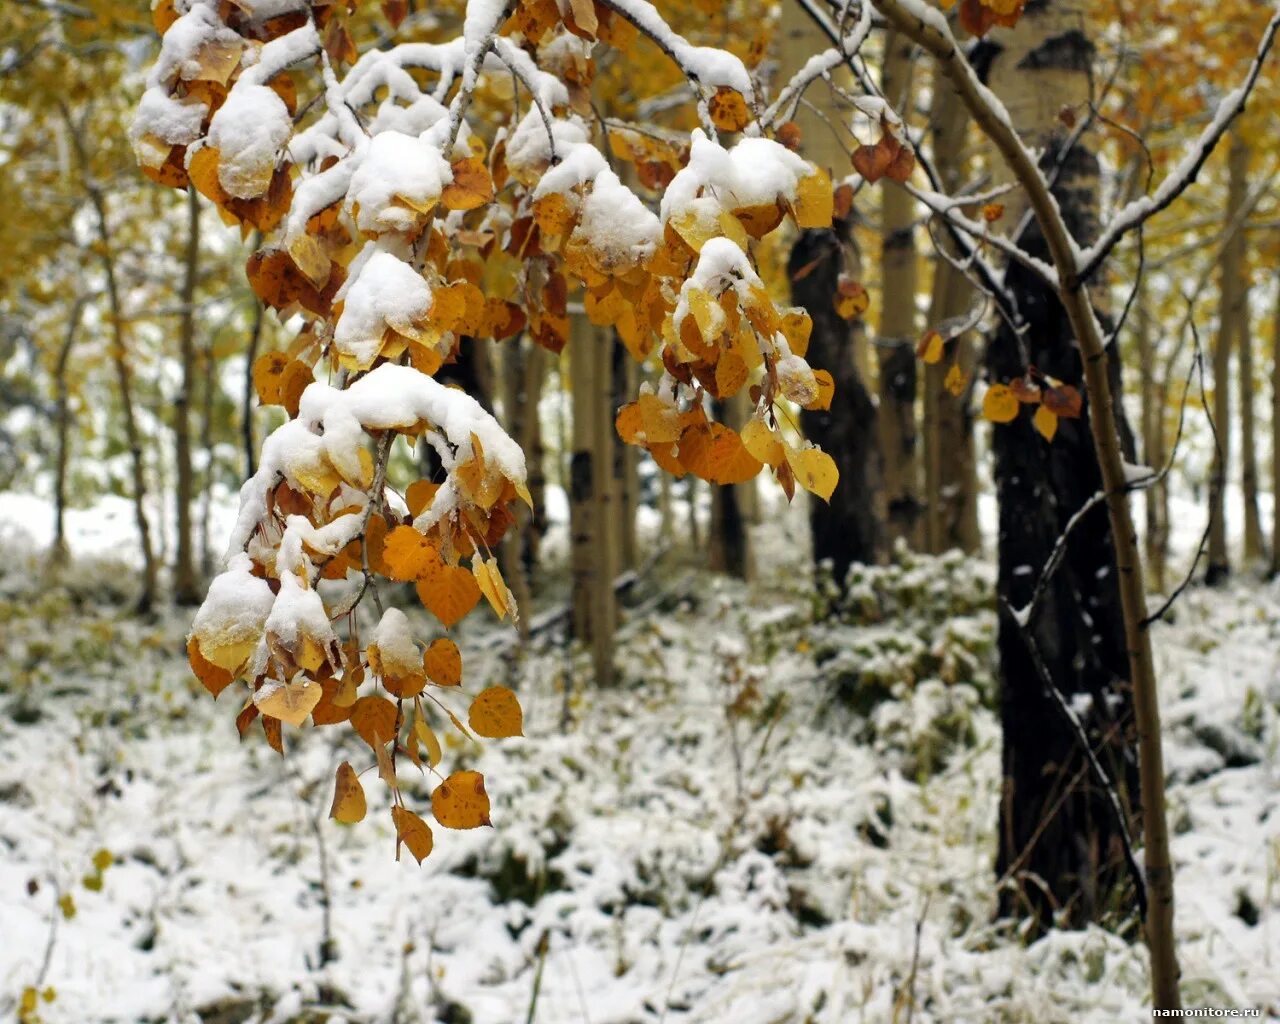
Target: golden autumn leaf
{"points": [[956, 381], [715, 453], [427, 737], [408, 555], [471, 186], [728, 110], [449, 593], [492, 586], [213, 677], [442, 662], [814, 470], [290, 702], [496, 714], [999, 404], [851, 298], [374, 718], [461, 802], [760, 441], [413, 832], [930, 348], [815, 201], [419, 496], [1046, 422], [348, 805]]}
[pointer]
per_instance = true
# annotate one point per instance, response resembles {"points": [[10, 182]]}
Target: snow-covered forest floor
{"points": [[776, 818]]}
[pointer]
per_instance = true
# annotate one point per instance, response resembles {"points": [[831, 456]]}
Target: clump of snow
{"points": [[235, 608], [399, 177], [249, 130], [384, 292], [755, 172]]}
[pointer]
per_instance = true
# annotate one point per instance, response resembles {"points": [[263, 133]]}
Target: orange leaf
{"points": [[408, 555], [413, 832], [715, 453], [442, 662], [461, 802], [449, 593], [348, 796], [374, 718], [214, 678], [471, 186], [728, 110], [999, 404], [496, 713]]}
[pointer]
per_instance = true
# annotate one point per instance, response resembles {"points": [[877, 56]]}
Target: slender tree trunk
{"points": [[591, 546], [186, 589], [58, 551], [625, 461], [728, 540], [124, 380], [209, 367], [846, 529], [1253, 542], [951, 477], [1275, 433], [1230, 311], [247, 397], [1060, 844], [1153, 454], [898, 328]]}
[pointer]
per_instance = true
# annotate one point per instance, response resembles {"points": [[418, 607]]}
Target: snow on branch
{"points": [[1180, 178]]}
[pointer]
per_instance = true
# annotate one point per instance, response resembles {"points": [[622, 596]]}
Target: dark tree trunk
{"points": [[1060, 841], [844, 530]]}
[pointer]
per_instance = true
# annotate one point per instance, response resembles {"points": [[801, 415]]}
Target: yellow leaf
{"points": [[442, 662], [815, 201], [461, 802], [374, 718], [408, 555], [449, 593], [67, 904], [489, 579], [496, 713], [290, 702], [427, 737], [1000, 404], [413, 832], [348, 796], [758, 439], [1046, 421], [471, 187], [815, 471], [932, 347], [956, 381], [728, 110]]}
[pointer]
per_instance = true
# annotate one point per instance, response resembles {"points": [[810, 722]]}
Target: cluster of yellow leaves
{"points": [[1053, 400], [383, 695]]}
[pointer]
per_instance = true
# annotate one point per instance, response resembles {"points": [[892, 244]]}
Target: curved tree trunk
{"points": [[1060, 843]]}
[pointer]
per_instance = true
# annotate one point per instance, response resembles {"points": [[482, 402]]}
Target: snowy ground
{"points": [[716, 841]]}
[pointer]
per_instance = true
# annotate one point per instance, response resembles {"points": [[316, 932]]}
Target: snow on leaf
{"points": [[290, 702]]}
